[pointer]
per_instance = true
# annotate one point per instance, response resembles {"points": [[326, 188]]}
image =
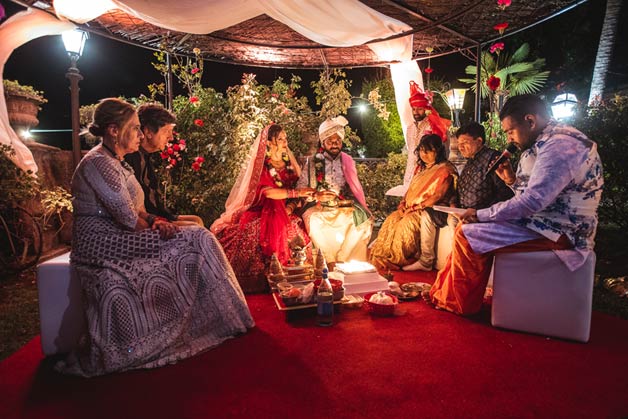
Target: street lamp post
{"points": [[74, 42], [564, 106], [455, 100]]}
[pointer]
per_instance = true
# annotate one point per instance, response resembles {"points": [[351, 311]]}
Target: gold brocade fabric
{"points": [[399, 239]]}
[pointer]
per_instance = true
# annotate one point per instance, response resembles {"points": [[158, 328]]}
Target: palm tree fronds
{"points": [[521, 53]]}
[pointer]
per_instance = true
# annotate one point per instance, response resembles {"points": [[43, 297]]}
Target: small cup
{"points": [[284, 286]]}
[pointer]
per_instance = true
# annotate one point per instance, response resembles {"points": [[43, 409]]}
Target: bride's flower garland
{"points": [[273, 171]]}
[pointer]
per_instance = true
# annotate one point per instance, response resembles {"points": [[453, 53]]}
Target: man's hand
{"points": [[506, 172], [325, 196], [469, 216], [166, 229]]}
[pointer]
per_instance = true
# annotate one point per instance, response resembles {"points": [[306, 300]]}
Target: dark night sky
{"points": [[112, 68]]}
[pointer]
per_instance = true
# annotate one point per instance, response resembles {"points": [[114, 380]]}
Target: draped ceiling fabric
{"points": [[308, 34]]}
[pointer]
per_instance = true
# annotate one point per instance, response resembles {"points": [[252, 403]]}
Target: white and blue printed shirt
{"points": [[557, 191]]}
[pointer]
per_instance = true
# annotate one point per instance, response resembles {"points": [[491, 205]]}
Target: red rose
{"points": [[182, 142], [199, 122], [195, 70], [173, 162], [196, 167], [193, 99], [164, 155], [493, 83], [176, 147], [428, 70], [170, 151], [200, 159]]}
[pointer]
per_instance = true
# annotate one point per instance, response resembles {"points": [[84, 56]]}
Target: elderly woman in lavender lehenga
{"points": [[154, 293]]}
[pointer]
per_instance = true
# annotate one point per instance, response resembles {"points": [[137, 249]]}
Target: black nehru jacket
{"points": [[477, 191], [142, 165]]}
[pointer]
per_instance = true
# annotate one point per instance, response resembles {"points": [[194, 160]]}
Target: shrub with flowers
{"points": [[606, 123]]}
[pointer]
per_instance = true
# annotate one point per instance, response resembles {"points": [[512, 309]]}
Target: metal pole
{"points": [[478, 84], [74, 76], [169, 98]]}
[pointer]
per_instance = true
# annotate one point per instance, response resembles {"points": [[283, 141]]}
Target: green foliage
{"points": [[377, 179], [332, 93], [16, 185], [14, 88], [382, 136], [439, 88], [607, 125], [55, 202], [517, 76]]}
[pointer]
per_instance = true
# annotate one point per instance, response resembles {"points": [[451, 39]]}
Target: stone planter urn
{"points": [[23, 105], [23, 112]]}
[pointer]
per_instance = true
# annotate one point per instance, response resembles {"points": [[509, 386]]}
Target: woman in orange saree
{"points": [[408, 234]]}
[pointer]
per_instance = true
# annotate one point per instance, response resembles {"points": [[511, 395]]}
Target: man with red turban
{"points": [[426, 121]]}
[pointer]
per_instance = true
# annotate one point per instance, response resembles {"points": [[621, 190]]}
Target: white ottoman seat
{"points": [[535, 292], [60, 307]]}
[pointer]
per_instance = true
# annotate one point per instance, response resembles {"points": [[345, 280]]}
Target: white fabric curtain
{"points": [[338, 23], [16, 31]]}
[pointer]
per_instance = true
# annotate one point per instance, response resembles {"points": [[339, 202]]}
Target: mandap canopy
{"points": [[283, 33]]}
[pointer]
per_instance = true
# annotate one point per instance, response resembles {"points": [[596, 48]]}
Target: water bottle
{"points": [[325, 302]]}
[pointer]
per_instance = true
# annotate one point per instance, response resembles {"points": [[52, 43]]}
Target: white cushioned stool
{"points": [[60, 308], [535, 292]]}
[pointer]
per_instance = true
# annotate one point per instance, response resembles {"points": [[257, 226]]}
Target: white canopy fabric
{"points": [[337, 23], [16, 31]]}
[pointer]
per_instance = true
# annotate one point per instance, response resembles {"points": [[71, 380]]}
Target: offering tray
{"points": [[298, 273]]}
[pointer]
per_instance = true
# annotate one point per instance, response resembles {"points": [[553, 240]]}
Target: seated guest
{"points": [[258, 220], [557, 189], [154, 293], [413, 225], [475, 190], [157, 125], [338, 222]]}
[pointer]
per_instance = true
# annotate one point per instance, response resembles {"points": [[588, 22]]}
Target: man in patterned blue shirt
{"points": [[557, 189]]}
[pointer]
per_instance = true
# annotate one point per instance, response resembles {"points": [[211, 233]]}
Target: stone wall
{"points": [[55, 169]]}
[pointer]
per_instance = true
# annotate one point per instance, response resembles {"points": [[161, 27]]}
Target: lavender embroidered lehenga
{"points": [[148, 302]]}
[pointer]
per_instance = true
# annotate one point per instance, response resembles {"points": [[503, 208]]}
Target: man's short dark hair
{"points": [[154, 116], [517, 107], [474, 129]]}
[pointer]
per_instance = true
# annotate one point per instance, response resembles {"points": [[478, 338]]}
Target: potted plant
{"points": [[23, 104]]}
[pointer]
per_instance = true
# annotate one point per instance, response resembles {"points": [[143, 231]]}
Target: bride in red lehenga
{"points": [[258, 219]]}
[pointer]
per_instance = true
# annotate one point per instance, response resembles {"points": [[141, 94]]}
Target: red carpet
{"points": [[425, 363]]}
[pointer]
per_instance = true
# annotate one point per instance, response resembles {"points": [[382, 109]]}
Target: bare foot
{"points": [[417, 266], [425, 295]]}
